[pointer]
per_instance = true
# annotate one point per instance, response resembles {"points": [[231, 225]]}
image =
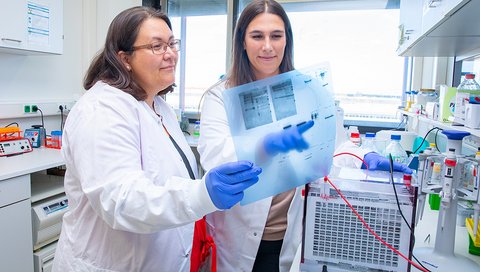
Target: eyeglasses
{"points": [[159, 48]]}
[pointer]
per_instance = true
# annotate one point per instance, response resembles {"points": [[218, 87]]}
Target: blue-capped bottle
{"points": [[395, 149], [369, 142], [196, 129]]}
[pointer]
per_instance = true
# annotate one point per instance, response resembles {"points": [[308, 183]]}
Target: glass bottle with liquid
{"points": [[396, 150]]}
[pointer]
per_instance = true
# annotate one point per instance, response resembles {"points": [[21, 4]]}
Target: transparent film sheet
{"points": [[270, 105]]}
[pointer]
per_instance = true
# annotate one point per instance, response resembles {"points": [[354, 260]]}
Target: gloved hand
{"points": [[287, 139], [376, 161], [226, 183]]}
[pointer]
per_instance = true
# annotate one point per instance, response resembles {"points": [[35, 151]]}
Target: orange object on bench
{"points": [[10, 133]]}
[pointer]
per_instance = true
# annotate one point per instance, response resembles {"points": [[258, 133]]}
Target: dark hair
{"points": [[240, 71], [122, 33]]}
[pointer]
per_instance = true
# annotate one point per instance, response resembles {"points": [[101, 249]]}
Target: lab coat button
{"points": [[254, 234]]}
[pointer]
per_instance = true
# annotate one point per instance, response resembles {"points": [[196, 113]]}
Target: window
{"points": [[202, 27], [358, 39], [471, 66], [360, 46]]}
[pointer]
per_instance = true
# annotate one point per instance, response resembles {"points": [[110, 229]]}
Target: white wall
{"points": [[107, 10], [36, 79], [45, 77]]}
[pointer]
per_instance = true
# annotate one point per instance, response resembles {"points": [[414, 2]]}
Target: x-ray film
{"points": [[270, 105]]}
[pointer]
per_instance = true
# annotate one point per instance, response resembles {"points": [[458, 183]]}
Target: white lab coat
{"points": [[132, 203], [237, 232]]}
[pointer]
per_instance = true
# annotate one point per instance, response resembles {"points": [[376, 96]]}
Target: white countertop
{"points": [[42, 158], [39, 159]]}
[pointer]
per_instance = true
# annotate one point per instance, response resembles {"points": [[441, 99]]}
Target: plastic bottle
{"points": [[470, 86], [196, 129], [408, 103], [56, 138], [369, 142], [355, 138], [396, 150], [467, 92]]}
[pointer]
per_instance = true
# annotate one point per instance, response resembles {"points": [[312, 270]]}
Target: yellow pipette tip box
{"points": [[469, 225]]}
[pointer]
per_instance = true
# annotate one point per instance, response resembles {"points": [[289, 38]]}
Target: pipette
{"points": [[446, 193]]}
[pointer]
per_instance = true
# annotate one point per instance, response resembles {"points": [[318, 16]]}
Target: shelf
{"points": [[45, 186], [474, 132]]}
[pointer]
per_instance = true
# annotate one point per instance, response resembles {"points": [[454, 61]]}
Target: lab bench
{"points": [[16, 241]]}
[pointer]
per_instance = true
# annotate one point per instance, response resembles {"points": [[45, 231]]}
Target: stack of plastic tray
{"points": [[9, 133], [53, 143]]}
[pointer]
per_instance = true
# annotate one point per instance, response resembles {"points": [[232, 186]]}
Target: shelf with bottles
{"points": [[442, 125]]}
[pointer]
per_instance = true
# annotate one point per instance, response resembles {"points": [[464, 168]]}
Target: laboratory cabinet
{"points": [[441, 28], [435, 11], [15, 225], [31, 27], [16, 197], [410, 27]]}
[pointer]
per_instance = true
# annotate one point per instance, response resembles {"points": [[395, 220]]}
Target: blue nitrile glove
{"points": [[287, 139], [376, 161], [226, 183]]}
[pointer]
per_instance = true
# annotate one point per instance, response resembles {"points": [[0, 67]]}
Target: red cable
{"points": [[351, 154], [368, 227]]}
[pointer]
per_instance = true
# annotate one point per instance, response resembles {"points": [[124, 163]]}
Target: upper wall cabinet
{"points": [[30, 27], [439, 28], [410, 23]]}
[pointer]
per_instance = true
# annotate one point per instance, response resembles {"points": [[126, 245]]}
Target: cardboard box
{"points": [[447, 103]]}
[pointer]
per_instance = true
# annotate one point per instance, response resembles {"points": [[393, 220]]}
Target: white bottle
{"points": [[369, 142], [355, 138], [467, 92], [396, 150]]}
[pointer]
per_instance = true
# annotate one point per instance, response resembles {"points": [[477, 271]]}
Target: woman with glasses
{"points": [[264, 235], [131, 176]]}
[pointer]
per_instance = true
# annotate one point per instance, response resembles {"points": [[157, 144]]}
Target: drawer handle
{"points": [[10, 40]]}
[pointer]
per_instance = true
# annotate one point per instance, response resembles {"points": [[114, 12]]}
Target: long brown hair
{"points": [[121, 36], [241, 71]]}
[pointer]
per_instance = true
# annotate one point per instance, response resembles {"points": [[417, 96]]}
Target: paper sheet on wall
{"points": [[261, 107], [38, 23]]}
